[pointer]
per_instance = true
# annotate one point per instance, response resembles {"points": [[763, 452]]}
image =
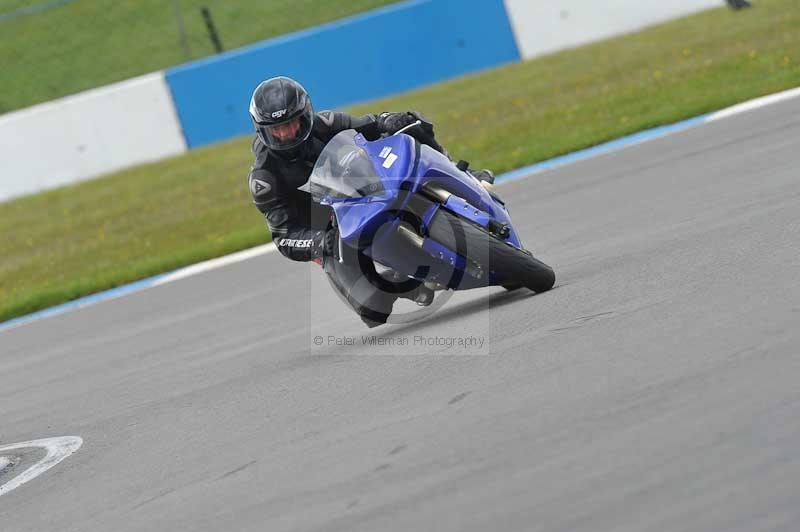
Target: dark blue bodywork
{"points": [[370, 222]]}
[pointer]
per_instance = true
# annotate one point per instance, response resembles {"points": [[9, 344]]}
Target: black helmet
{"points": [[282, 113]]}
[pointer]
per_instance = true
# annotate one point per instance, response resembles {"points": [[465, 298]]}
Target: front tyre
{"points": [[512, 265]]}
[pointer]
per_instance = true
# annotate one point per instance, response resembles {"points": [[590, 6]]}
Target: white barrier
{"points": [[88, 134], [543, 26]]}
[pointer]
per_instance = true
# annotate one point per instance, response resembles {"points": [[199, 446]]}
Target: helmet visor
{"points": [[289, 133]]}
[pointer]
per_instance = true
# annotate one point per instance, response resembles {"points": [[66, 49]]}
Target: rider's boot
{"points": [[483, 175], [486, 178]]}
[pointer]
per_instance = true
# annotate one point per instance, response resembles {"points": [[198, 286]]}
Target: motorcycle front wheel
{"points": [[515, 267]]}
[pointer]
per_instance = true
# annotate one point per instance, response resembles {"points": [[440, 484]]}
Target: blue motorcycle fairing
{"points": [[393, 157], [433, 167], [436, 168], [404, 166], [353, 214]]}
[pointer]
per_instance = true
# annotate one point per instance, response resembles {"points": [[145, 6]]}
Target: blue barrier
{"points": [[375, 54]]}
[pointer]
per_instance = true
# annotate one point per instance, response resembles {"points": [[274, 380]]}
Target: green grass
{"points": [[553, 105], [73, 241], [87, 43]]}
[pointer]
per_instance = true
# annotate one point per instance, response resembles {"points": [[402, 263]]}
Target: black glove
{"points": [[390, 123], [424, 133]]}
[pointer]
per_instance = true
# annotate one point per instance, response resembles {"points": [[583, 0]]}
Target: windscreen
{"points": [[344, 170]]}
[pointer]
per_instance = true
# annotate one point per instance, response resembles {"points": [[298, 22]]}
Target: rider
{"points": [[289, 138]]}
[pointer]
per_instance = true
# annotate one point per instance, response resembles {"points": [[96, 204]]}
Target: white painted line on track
{"points": [[752, 105], [521, 173], [213, 264], [57, 449]]}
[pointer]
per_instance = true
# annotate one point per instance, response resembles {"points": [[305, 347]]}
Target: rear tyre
{"points": [[514, 266]]}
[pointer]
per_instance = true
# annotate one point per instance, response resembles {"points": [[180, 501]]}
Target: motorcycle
{"points": [[407, 208]]}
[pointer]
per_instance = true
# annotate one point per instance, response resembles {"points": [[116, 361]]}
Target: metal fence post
{"points": [[212, 30]]}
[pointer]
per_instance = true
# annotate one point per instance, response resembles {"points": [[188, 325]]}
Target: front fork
{"points": [[461, 207]]}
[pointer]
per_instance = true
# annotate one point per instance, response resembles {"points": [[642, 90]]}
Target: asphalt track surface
{"points": [[657, 387]]}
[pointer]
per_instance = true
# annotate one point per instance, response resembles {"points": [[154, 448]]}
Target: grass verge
{"points": [[87, 43], [70, 242]]}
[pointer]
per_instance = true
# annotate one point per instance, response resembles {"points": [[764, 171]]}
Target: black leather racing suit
{"points": [[298, 224]]}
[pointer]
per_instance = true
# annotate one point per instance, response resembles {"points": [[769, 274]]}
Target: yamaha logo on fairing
{"points": [[278, 114]]}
